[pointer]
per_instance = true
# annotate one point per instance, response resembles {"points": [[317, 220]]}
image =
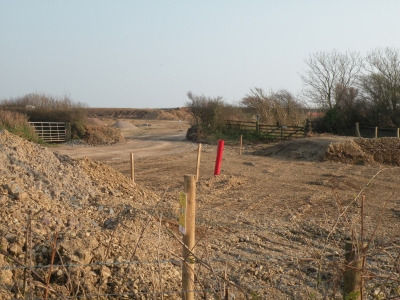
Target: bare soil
{"points": [[287, 207], [272, 225]]}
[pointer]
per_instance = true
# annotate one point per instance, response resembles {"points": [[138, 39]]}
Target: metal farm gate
{"points": [[52, 131]]}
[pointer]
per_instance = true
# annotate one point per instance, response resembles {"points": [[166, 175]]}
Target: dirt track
{"points": [[286, 206]]}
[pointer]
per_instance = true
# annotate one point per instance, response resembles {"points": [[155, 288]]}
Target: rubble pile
{"points": [[81, 217]]}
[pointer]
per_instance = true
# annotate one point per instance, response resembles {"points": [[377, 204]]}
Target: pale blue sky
{"points": [[150, 53]]}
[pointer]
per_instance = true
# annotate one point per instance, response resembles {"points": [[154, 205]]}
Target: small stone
{"points": [[127, 209], [21, 195], [15, 249], [72, 222], [109, 262], [105, 272], [3, 199], [109, 223], [11, 238]]}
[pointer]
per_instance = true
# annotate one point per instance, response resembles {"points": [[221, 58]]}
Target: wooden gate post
{"points": [[241, 143], [189, 239], [352, 288], [67, 131]]}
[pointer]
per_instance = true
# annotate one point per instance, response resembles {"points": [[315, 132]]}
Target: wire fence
{"points": [[281, 277], [264, 262]]}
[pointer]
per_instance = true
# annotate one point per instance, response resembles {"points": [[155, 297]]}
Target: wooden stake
{"points": [[358, 129], [353, 274], [132, 168], [189, 238], [376, 132], [398, 133], [241, 143], [198, 162]]}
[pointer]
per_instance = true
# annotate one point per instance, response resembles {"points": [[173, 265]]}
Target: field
{"points": [[273, 225]]}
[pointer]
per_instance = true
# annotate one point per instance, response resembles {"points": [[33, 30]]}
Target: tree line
{"points": [[347, 87]]}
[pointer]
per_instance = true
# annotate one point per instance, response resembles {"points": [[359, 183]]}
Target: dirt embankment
{"points": [[359, 151], [179, 113], [80, 204]]}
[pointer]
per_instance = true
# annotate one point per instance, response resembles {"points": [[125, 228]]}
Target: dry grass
{"points": [[17, 123]]}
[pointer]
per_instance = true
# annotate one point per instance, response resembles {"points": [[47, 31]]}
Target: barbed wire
{"points": [[283, 258], [141, 262]]}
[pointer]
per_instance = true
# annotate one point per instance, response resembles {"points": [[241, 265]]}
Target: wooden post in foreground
{"points": [[198, 162], [189, 239], [358, 130], [376, 132], [352, 287], [240, 146], [132, 168]]}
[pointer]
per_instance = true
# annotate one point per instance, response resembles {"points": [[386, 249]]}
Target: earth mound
{"points": [[175, 114], [338, 149], [123, 124], [102, 135], [79, 216], [95, 122], [308, 149]]}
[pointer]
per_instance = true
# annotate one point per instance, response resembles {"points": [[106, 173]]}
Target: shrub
{"points": [[17, 123]]}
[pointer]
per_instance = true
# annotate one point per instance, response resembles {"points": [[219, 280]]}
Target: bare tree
{"points": [[326, 71], [381, 85], [258, 102], [287, 110], [274, 108]]}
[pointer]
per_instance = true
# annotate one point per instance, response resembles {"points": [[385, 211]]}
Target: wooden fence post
{"points": [[241, 143], [189, 239], [132, 168], [352, 288], [358, 130], [67, 131], [398, 133], [198, 162], [376, 132], [307, 127]]}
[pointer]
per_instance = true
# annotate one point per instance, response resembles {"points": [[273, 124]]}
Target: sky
{"points": [[149, 54]]}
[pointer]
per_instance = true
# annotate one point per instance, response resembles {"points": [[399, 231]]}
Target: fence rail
{"points": [[52, 131], [268, 132]]}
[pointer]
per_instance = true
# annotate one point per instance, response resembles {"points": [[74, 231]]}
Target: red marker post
{"points": [[218, 162]]}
